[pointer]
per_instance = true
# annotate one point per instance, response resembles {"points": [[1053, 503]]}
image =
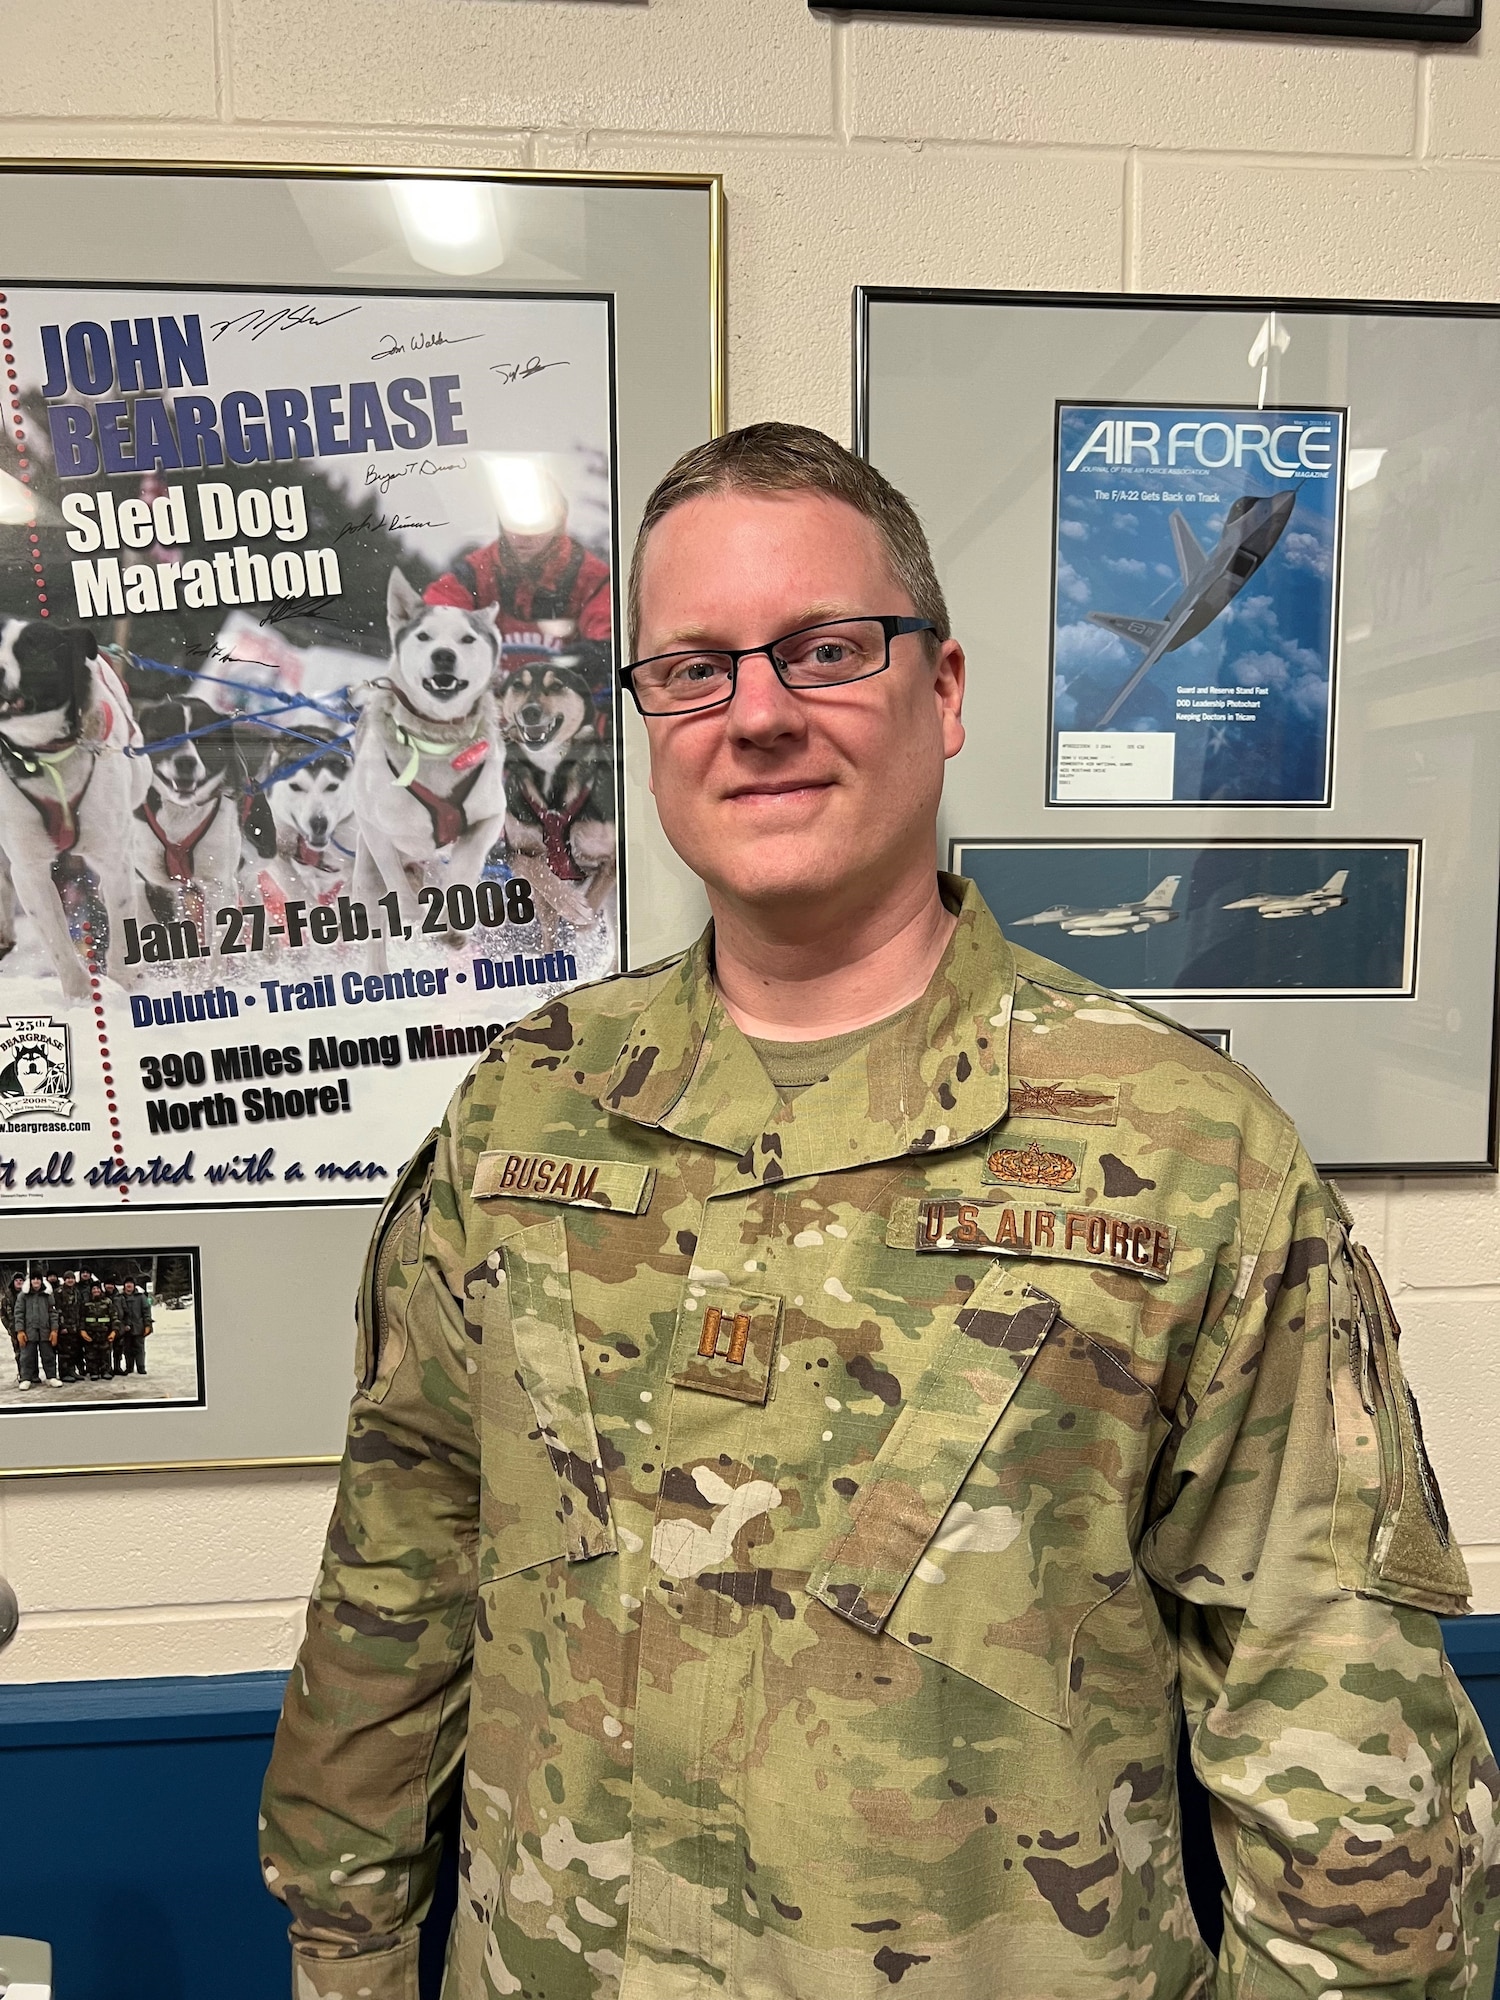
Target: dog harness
{"points": [[59, 814], [447, 813], [556, 826], [179, 853], [448, 817]]}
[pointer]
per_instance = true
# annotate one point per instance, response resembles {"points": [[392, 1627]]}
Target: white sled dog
{"points": [[429, 763]]}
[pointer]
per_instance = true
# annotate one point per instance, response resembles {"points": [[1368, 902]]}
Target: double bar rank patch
{"points": [[726, 1342], [998, 1228], [552, 1177]]}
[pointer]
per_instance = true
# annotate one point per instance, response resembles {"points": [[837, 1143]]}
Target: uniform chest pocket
{"points": [[545, 1494], [983, 1536]]}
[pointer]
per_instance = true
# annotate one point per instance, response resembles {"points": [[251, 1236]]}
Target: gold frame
{"points": [[711, 184], [718, 403]]}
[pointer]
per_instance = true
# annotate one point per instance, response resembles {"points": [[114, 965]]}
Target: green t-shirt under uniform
{"points": [[793, 1066]]}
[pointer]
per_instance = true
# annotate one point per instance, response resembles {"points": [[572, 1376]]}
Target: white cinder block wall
{"points": [[854, 151]]}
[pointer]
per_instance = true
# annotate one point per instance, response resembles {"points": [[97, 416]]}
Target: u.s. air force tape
{"points": [[616, 1184], [997, 1228]]}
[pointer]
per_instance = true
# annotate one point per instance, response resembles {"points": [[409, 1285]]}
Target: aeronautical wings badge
{"points": [[1065, 1102]]}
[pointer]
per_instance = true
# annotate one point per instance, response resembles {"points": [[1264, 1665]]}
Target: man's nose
{"points": [[760, 706]]}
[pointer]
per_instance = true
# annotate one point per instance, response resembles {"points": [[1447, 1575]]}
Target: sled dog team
{"points": [[455, 768]]}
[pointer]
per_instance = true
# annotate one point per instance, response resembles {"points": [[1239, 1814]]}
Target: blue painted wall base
{"points": [[130, 1821]]}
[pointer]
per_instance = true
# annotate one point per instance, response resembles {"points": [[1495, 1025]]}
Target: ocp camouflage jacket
{"points": [[814, 1519]]}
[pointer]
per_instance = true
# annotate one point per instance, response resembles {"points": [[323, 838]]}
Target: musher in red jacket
{"points": [[550, 589]]}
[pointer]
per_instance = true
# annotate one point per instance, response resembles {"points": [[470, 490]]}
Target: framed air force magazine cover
{"points": [[1224, 572], [313, 764]]}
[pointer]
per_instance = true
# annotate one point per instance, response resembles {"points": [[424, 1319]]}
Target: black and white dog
{"points": [[559, 795], [69, 788], [187, 828], [302, 846], [429, 765]]}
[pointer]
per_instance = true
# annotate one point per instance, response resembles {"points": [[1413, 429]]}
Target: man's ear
{"points": [[949, 680]]}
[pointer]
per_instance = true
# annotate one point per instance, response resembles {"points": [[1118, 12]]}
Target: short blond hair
{"points": [[792, 458]]}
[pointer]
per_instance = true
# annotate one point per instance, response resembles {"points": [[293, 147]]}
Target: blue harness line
{"points": [[336, 706]]}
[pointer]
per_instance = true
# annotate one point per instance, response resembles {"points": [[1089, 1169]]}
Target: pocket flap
{"points": [[931, 1447], [551, 1371]]}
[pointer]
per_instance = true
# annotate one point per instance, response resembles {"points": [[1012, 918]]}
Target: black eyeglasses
{"points": [[819, 656]]}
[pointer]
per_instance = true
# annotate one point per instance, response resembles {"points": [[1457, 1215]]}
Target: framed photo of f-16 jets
{"points": [[1225, 919], [1224, 572]]}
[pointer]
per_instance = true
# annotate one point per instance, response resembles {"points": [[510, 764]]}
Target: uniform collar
{"points": [[936, 1078]]}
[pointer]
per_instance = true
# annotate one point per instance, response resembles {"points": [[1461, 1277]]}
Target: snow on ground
{"points": [[171, 1377]]}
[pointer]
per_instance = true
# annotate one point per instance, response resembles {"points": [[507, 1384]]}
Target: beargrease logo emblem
{"points": [[36, 1069]]}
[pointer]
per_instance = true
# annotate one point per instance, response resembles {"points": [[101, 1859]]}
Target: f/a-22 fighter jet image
{"points": [[1116, 921], [1315, 903], [1210, 579]]}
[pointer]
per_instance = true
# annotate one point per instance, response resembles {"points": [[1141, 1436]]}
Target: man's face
{"points": [[782, 797], [531, 548]]}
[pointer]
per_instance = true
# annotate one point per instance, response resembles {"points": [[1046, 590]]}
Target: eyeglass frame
{"points": [[892, 625]]}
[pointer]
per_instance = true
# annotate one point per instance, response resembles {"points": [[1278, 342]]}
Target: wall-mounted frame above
{"points": [[1165, 526], [1380, 20], [599, 294]]}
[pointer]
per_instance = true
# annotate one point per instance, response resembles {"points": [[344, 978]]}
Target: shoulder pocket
{"points": [[392, 1266], [1391, 1536]]}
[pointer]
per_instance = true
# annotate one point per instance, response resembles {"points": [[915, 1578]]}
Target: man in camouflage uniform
{"points": [[69, 1300], [812, 1483]]}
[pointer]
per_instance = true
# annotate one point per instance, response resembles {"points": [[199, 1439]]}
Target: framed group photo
{"points": [[1223, 569]]}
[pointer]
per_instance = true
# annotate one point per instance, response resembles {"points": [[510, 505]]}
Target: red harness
{"points": [[448, 817], [555, 828], [59, 816], [179, 853]]}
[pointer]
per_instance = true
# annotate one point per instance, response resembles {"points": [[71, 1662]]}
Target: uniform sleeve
{"points": [[1302, 1534], [372, 1730]]}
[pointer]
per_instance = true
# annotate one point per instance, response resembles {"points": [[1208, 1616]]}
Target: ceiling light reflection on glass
{"points": [[450, 226]]}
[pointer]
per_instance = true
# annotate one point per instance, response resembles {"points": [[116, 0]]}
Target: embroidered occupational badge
{"points": [[1031, 1166]]}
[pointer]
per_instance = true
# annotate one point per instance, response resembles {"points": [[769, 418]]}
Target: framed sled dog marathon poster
{"points": [[314, 771], [1224, 572]]}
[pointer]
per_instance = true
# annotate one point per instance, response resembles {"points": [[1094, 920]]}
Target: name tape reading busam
{"points": [[997, 1228], [615, 1184]]}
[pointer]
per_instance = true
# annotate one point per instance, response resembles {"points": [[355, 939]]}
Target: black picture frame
{"points": [[916, 417], [1315, 18]]}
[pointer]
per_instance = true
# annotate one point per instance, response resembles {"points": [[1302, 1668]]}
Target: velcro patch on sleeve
{"points": [[995, 1227], [616, 1184]]}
